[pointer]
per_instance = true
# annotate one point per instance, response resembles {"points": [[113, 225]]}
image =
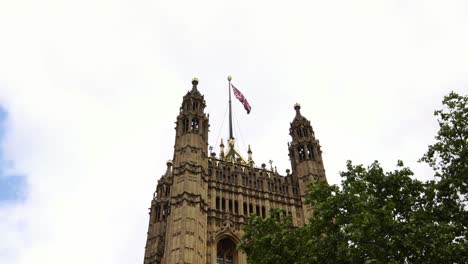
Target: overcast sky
{"points": [[89, 93]]}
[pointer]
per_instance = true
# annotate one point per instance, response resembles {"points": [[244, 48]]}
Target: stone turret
{"points": [[305, 156], [185, 212]]}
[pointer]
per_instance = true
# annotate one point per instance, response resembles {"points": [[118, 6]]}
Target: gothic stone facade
{"points": [[203, 199]]}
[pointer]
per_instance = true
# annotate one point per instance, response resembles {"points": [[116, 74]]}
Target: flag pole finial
{"points": [[229, 78]]}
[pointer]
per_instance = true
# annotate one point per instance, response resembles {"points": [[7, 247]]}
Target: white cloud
{"points": [[93, 88]]}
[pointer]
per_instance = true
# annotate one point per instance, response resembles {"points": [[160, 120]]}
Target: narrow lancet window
{"points": [[186, 125], [299, 132], [195, 125], [310, 152], [302, 153]]}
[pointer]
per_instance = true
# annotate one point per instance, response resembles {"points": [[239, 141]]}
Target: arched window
{"points": [[195, 124], [226, 252], [245, 208], [310, 152], [186, 125], [217, 203], [158, 213], [305, 132], [301, 152], [164, 212], [299, 132]]}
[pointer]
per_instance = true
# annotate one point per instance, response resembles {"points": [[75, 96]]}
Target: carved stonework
{"points": [[203, 199]]}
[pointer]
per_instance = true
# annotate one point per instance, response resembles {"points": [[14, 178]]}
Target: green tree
{"points": [[449, 159], [271, 240], [377, 216]]}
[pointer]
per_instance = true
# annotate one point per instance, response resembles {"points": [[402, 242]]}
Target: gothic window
{"points": [[301, 151], [236, 207], [299, 132], [226, 252], [195, 106], [245, 208], [186, 125], [223, 204], [250, 208], [217, 203], [164, 212], [257, 210], [230, 205], [263, 211], [310, 152], [195, 124], [158, 213]]}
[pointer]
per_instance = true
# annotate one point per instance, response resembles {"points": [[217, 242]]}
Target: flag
{"points": [[241, 98]]}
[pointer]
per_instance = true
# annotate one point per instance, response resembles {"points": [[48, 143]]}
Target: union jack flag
{"points": [[241, 98]]}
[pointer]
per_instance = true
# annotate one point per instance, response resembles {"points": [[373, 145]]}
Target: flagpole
{"points": [[230, 109]]}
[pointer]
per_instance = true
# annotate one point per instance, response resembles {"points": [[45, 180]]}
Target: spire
{"points": [[249, 159], [194, 91], [194, 84], [297, 107], [168, 170], [303, 147], [221, 149]]}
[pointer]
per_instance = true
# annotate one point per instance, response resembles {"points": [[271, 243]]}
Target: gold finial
{"points": [[169, 163], [229, 78], [195, 81]]}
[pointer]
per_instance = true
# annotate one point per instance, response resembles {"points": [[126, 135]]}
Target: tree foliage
{"points": [[377, 216]]}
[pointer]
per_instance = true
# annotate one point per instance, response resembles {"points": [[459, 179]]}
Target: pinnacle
{"points": [[194, 83]]}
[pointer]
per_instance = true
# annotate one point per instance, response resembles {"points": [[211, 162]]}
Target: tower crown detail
{"points": [[192, 118], [304, 147], [300, 126]]}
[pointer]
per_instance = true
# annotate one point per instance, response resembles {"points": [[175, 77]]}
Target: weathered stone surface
{"points": [[203, 199]]}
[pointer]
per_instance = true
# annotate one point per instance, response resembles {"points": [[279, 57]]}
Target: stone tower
{"points": [[305, 156], [203, 199], [177, 231]]}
